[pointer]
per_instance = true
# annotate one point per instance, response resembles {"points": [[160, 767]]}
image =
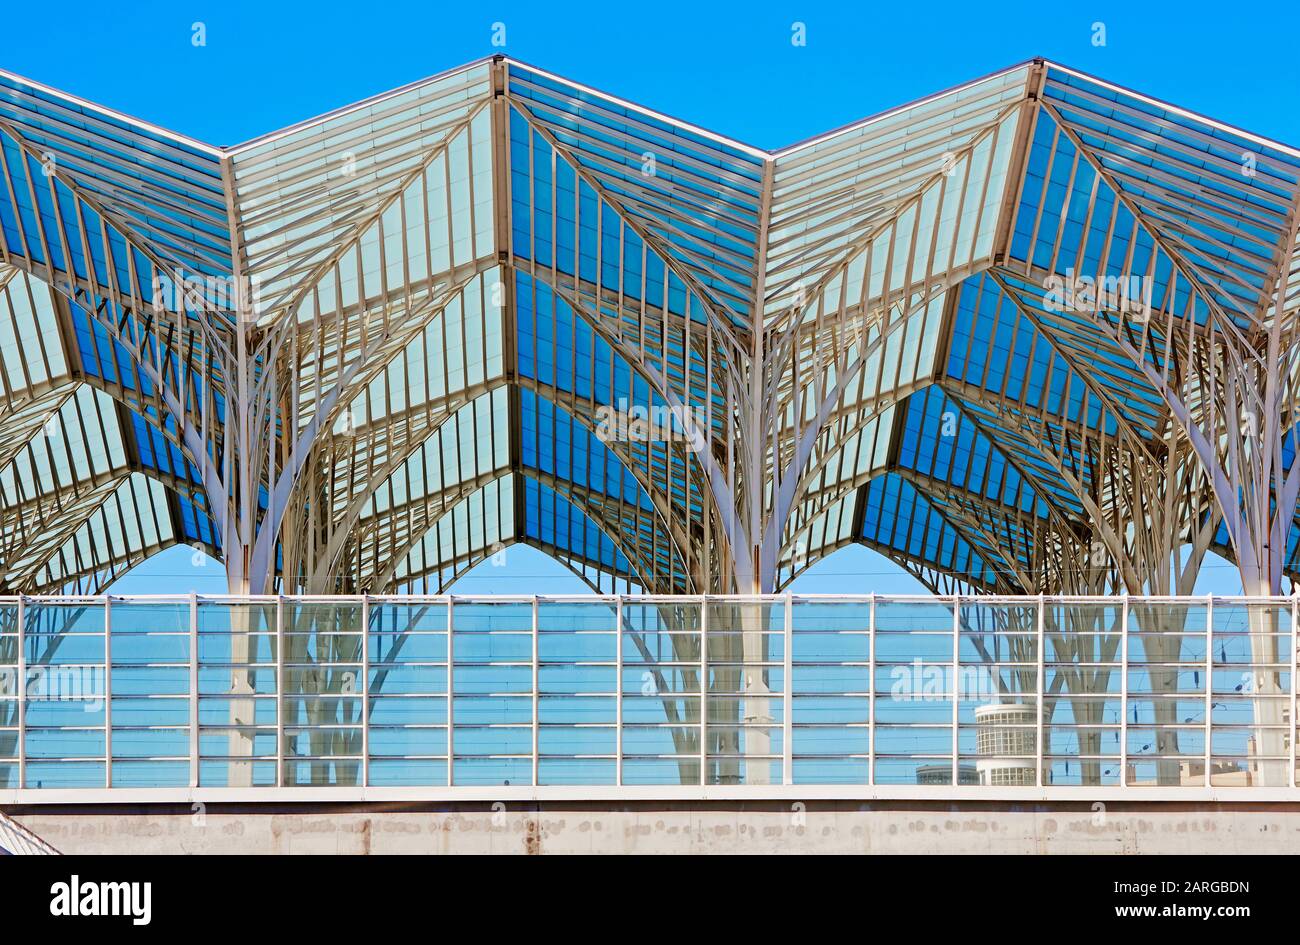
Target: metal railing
{"points": [[107, 697]]}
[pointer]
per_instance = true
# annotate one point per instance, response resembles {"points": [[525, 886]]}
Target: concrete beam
{"points": [[673, 827]]}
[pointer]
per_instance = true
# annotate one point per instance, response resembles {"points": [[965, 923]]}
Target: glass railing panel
{"points": [[10, 694], [1083, 682], [914, 689], [492, 690], [1251, 702], [407, 712], [745, 698], [322, 690], [239, 691], [151, 705], [577, 701], [1165, 713], [661, 686], [830, 657], [997, 692], [64, 699]]}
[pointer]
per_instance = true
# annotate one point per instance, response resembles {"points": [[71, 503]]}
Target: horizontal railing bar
{"points": [[592, 599]]}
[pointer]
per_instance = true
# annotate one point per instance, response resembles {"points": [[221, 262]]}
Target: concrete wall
{"points": [[699, 827]]}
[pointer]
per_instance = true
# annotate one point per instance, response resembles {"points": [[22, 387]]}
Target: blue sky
{"points": [[729, 67]]}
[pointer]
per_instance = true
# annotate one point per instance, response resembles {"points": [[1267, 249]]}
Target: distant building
{"points": [[942, 774], [1005, 739]]}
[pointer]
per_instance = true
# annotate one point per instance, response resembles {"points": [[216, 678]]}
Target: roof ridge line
{"points": [[232, 150], [717, 137], [896, 109], [1252, 136], [115, 114]]}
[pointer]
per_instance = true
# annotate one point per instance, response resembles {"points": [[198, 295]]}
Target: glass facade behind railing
{"points": [[203, 692]]}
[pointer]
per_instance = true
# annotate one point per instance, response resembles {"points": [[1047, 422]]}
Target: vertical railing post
{"points": [[194, 690], [618, 691], [1041, 653], [451, 688], [704, 690], [1123, 693], [108, 691], [279, 692], [536, 698], [956, 685], [1295, 639], [871, 692], [1209, 686], [365, 690], [22, 693], [787, 718]]}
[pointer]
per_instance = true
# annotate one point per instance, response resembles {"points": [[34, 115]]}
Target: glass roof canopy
{"points": [[1033, 334]]}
